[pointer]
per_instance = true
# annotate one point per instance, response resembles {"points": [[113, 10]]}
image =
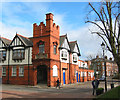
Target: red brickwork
{"points": [[49, 35], [18, 79]]}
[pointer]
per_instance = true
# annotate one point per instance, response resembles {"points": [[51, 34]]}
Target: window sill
{"points": [[55, 76], [3, 75], [64, 58], [21, 75], [13, 76], [75, 61]]}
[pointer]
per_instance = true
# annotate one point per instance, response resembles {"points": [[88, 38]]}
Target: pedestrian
{"points": [[58, 83], [95, 84]]}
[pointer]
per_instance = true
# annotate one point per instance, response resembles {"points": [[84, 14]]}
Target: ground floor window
{"points": [[21, 71], [14, 69], [3, 71], [55, 71]]}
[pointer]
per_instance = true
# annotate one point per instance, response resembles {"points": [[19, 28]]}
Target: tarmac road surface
{"points": [[79, 90]]}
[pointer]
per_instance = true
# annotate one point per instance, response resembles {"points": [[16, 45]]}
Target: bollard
{"points": [[112, 85]]}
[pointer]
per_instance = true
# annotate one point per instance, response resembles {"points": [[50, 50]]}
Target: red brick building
{"points": [[42, 58], [98, 65]]}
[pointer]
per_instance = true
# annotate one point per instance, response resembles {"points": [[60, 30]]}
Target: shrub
{"points": [[99, 91]]}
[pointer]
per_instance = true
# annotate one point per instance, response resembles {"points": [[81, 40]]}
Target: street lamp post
{"points": [[103, 47]]}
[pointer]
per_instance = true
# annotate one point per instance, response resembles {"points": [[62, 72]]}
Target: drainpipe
{"points": [[69, 69], [60, 65], [8, 63], [28, 64], [49, 74]]}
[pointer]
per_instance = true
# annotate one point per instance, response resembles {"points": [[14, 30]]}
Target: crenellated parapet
{"points": [[49, 29], [39, 30]]}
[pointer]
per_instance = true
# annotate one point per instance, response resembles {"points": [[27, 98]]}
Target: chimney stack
{"points": [[49, 22]]}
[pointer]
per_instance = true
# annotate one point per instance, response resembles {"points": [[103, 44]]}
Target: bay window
{"points": [[18, 54], [64, 55], [3, 55]]}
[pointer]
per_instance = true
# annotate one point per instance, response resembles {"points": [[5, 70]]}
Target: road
{"points": [[79, 90]]}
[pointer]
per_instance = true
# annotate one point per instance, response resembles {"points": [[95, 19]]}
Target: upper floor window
{"points": [[21, 71], [2, 55], [14, 69], [64, 55], [18, 54], [74, 58], [41, 48], [55, 49], [3, 71]]}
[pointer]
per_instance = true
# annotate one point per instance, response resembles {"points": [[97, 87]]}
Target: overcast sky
{"points": [[70, 16]]}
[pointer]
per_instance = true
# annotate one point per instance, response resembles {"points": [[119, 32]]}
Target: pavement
{"points": [[78, 90]]}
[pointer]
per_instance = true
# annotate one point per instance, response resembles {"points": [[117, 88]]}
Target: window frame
{"points": [[3, 52], [21, 72], [43, 48], [55, 71], [64, 55], [18, 54], [14, 73], [74, 58], [3, 71], [55, 49]]}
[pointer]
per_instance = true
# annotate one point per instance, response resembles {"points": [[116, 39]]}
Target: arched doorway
{"points": [[42, 74]]}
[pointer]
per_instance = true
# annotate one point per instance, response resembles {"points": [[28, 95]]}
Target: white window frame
{"points": [[85, 74], [64, 55], [91, 75], [21, 71], [74, 58], [14, 73], [55, 71], [3, 71]]}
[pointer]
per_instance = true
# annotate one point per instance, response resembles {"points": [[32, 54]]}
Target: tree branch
{"points": [[95, 11], [103, 22], [116, 23], [105, 42], [98, 27]]}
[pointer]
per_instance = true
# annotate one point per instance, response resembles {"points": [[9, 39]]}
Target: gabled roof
{"points": [[62, 38], [72, 46], [25, 40], [6, 41]]}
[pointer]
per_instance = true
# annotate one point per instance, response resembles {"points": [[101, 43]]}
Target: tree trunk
{"points": [[117, 60]]}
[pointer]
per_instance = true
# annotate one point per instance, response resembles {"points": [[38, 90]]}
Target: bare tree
{"points": [[108, 22], [93, 56]]}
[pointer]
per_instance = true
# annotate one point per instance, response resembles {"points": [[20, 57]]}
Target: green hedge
{"points": [[111, 94], [99, 91]]}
